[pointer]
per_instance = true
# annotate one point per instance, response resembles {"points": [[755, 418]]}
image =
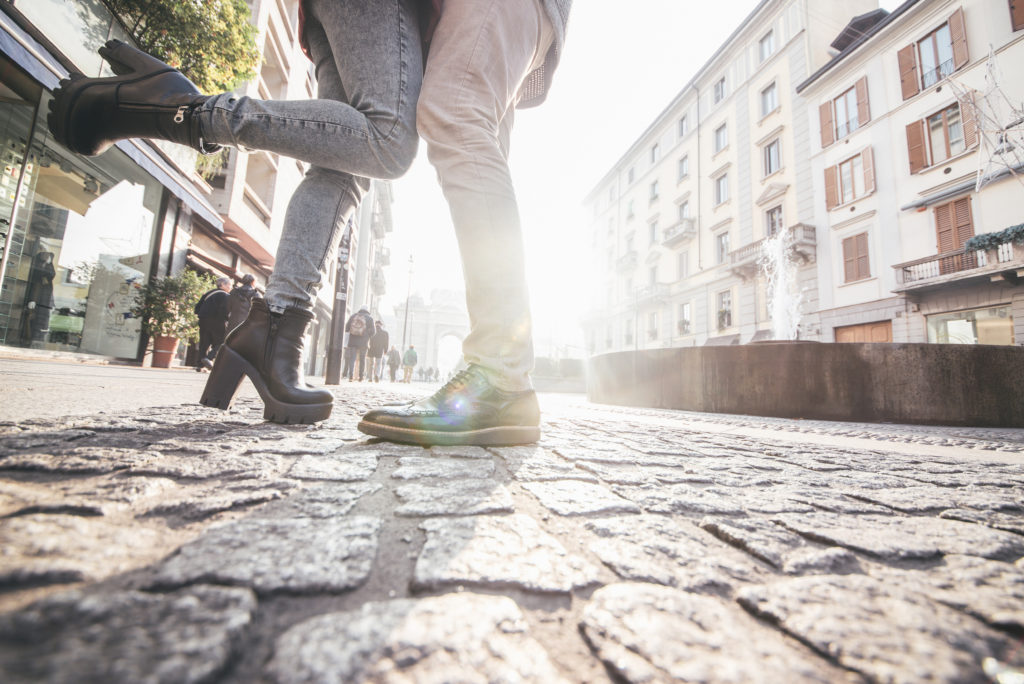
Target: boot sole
{"points": [[226, 377], [504, 435]]}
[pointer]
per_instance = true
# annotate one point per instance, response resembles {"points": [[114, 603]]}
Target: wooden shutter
{"points": [[907, 59], [1017, 14], [849, 260], [863, 108], [970, 122], [958, 33], [963, 226], [831, 188], [944, 228], [828, 127], [915, 146], [863, 264], [867, 160]]}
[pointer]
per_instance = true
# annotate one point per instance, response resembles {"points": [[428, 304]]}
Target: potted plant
{"points": [[165, 307]]}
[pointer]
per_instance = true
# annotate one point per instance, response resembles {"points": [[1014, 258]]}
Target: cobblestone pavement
{"points": [[180, 544]]}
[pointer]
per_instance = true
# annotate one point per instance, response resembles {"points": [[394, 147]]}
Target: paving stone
{"points": [[881, 631], [923, 499], [79, 460], [461, 637], [653, 634], [992, 591], [619, 473], [129, 636], [572, 497], [199, 505], [651, 548], [502, 551], [1001, 521], [815, 561], [593, 452], [203, 466], [759, 537], [419, 467], [536, 464], [320, 501], [40, 439], [458, 452], [465, 497], [828, 499], [56, 548], [680, 499], [341, 466], [901, 538], [298, 445], [295, 555]]}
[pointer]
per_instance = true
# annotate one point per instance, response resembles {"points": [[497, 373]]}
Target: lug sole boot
{"points": [[267, 348], [146, 99]]}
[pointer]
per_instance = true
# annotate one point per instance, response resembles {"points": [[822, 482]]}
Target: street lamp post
{"points": [[408, 293]]}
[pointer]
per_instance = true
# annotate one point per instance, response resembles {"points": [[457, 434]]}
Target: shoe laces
{"points": [[454, 386]]}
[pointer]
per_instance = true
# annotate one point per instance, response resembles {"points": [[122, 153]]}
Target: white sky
{"points": [[622, 65]]}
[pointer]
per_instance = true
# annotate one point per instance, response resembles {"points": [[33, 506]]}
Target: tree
{"points": [[166, 306], [211, 41]]}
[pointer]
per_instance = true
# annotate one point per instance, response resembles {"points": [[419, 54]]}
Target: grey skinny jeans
{"points": [[369, 69]]}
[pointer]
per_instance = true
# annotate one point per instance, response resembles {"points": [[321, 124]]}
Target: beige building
{"points": [[678, 222], [902, 119]]}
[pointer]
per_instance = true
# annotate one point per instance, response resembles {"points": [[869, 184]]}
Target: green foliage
{"points": [[209, 165], [210, 41], [165, 305], [987, 241]]}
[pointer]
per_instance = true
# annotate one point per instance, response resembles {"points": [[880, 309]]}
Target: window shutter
{"points": [[863, 109], [907, 59], [867, 160], [828, 128], [831, 188], [863, 266], [958, 33], [962, 224], [849, 260], [915, 146], [1017, 14], [944, 228], [970, 122]]}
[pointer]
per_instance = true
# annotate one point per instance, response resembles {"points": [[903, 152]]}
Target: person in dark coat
{"points": [[394, 361], [240, 301], [212, 309], [359, 328], [39, 297], [375, 353]]}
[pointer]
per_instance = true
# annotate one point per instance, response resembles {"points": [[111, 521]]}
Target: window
{"points": [[850, 179], [722, 189], [684, 126], [652, 232], [684, 167], [683, 264], [855, 258], [1017, 14], [684, 210], [629, 332], [845, 114], [993, 325], [953, 227], [942, 135], [652, 325], [724, 309], [772, 158], [769, 100], [608, 337], [629, 209], [654, 153], [719, 90], [628, 289], [611, 194], [683, 323], [773, 221], [652, 275], [766, 46], [654, 191], [721, 138], [629, 242], [722, 247], [630, 175], [933, 57]]}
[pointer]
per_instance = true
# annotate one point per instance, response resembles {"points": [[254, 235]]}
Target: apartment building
{"points": [[902, 120], [677, 223]]}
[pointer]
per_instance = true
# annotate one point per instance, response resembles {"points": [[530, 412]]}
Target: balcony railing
{"points": [[958, 265], [656, 292], [627, 262], [933, 76], [679, 232], [746, 260]]}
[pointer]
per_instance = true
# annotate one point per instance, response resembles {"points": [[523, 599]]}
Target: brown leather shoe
{"points": [[468, 410]]}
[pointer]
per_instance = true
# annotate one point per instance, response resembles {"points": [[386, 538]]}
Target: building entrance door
{"points": [[880, 331]]}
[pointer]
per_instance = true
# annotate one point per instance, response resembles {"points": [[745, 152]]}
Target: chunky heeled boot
{"points": [[268, 348], [146, 99]]}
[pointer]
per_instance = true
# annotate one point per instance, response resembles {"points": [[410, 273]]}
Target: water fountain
{"points": [[784, 295]]}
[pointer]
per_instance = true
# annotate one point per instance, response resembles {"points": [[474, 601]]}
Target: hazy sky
{"points": [[620, 68]]}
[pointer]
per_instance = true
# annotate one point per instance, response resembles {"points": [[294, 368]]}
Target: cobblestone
{"points": [[636, 545]]}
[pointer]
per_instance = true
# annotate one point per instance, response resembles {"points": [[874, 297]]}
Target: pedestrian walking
{"points": [[212, 310], [360, 328], [483, 60], [394, 361], [375, 352], [409, 359], [240, 302]]}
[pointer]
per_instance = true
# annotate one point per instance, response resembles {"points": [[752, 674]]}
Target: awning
{"points": [[959, 189], [722, 341]]}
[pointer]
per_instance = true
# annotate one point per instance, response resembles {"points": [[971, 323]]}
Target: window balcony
{"points": [[627, 262], [655, 293], [384, 256], [378, 284], [679, 232], [746, 261], [1004, 263]]}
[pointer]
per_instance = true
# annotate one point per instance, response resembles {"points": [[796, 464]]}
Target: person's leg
{"points": [[203, 348], [362, 363]]}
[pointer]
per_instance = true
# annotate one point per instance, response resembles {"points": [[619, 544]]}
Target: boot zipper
{"points": [[268, 349], [179, 117]]}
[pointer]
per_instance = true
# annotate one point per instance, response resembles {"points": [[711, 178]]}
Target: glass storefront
{"points": [[992, 325], [81, 234]]}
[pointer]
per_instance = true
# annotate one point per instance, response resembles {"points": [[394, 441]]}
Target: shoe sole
{"points": [[505, 435]]}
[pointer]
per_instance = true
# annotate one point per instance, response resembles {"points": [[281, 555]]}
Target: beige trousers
{"points": [[480, 55]]}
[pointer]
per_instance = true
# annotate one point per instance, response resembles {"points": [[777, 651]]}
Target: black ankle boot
{"points": [[268, 348], [147, 99]]}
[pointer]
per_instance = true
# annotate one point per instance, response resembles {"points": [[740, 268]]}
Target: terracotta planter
{"points": [[163, 351]]}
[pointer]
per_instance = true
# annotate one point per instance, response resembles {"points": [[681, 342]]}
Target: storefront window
{"points": [[81, 240], [980, 326]]}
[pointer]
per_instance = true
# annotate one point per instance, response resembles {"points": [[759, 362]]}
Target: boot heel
{"points": [[225, 379]]}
